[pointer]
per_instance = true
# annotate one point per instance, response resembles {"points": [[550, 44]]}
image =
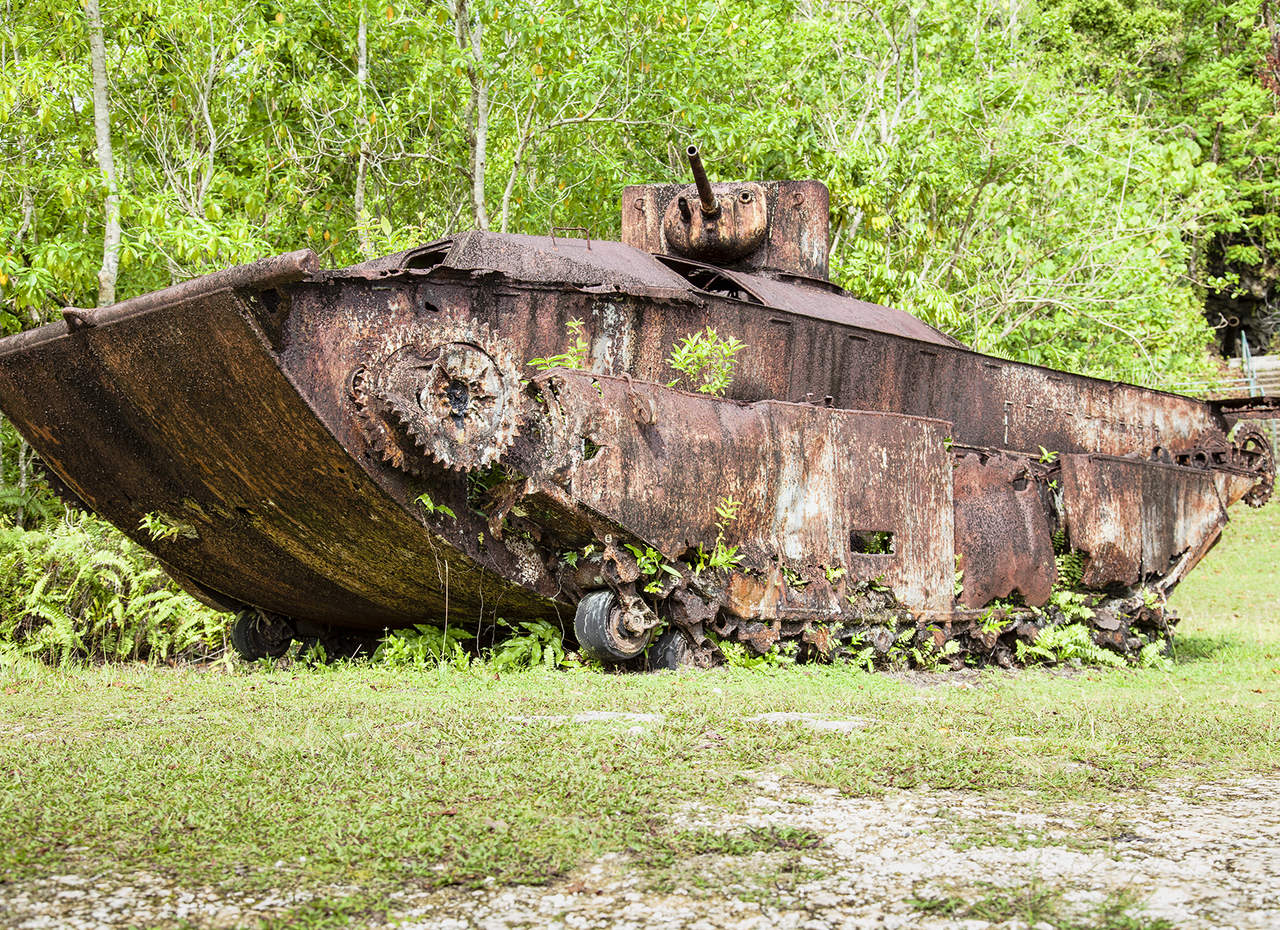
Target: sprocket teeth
{"points": [[403, 433]]}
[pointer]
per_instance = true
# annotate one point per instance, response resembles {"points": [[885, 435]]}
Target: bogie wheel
{"points": [[257, 635], [670, 651], [600, 631]]}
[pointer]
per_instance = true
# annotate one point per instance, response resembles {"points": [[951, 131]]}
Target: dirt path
{"points": [[1185, 856]]}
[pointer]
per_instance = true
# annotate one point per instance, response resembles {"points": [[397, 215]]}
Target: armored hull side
{"points": [[369, 448]]}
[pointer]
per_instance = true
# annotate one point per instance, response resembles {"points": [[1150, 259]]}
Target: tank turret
{"points": [[778, 227]]}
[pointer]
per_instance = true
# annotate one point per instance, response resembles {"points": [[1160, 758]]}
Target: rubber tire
{"points": [[670, 651], [597, 625], [253, 642]]}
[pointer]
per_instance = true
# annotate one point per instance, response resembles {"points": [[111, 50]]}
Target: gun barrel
{"points": [[707, 200]]}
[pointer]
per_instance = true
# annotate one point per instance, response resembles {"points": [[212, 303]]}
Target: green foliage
{"points": [[163, 528], [1155, 655], [76, 590], [1209, 71], [738, 655], [1067, 643], [909, 650], [24, 497], [1073, 604], [421, 646], [431, 507], [652, 566], [993, 620], [876, 543], [722, 556], [1070, 569], [705, 361], [1058, 209], [537, 644], [575, 356]]}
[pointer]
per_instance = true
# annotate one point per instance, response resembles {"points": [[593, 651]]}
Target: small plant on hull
{"points": [[431, 508], [653, 566], [722, 555], [577, 355], [163, 528], [705, 360]]}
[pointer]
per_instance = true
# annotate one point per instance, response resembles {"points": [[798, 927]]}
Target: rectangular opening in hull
{"points": [[871, 542]]}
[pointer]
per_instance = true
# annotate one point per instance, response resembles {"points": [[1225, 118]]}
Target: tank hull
{"points": [[248, 412]]}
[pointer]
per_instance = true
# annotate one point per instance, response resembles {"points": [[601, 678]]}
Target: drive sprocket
{"points": [[452, 396], [1251, 449]]}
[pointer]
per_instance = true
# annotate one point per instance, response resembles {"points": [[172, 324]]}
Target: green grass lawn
{"points": [[358, 776]]}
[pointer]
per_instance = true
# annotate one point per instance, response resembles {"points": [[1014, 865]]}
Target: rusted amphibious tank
{"points": [[336, 453]]}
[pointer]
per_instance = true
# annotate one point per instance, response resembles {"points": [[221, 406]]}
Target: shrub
{"points": [[420, 646]]}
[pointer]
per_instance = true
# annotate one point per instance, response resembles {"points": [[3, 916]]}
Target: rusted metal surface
{"points": [[1002, 531], [807, 477], [216, 440], [1139, 522], [795, 238], [707, 200], [260, 276], [370, 447]]}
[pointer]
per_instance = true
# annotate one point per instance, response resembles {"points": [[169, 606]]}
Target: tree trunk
{"points": [[470, 36], [102, 134], [362, 132]]}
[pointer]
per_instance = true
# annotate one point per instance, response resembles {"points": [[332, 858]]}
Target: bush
{"points": [[77, 590]]}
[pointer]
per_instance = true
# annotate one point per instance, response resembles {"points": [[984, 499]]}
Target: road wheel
{"points": [[257, 635], [670, 651], [600, 632]]}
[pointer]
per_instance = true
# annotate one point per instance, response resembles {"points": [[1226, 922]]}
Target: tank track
{"points": [[875, 632], [1004, 637]]}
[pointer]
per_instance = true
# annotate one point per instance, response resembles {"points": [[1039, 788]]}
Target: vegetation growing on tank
{"points": [[576, 355], [653, 566], [705, 361], [164, 528], [722, 555], [430, 507]]}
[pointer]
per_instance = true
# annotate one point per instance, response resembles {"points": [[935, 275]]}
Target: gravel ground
{"points": [[1193, 855]]}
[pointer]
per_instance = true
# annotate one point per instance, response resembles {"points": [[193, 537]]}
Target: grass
{"points": [[356, 776], [1037, 903]]}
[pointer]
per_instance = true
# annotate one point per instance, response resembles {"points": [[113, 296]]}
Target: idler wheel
{"points": [[1252, 450], [256, 634], [599, 625]]}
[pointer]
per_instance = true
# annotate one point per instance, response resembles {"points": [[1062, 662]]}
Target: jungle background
{"points": [[1087, 184]]}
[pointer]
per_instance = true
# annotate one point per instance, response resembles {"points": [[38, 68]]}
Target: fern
{"points": [[1070, 642], [76, 590], [420, 646], [1070, 569], [539, 643]]}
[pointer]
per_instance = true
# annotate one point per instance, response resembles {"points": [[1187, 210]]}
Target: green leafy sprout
{"points": [[705, 361], [577, 355]]}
